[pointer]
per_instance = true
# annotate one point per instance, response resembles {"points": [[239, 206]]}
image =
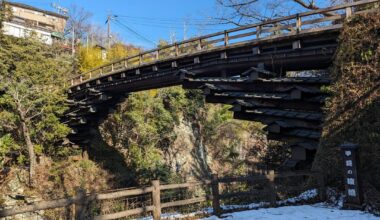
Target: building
{"points": [[49, 26], [103, 51]]}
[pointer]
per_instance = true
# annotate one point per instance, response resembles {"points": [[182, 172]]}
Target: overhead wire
{"points": [[120, 24], [169, 26], [161, 21]]}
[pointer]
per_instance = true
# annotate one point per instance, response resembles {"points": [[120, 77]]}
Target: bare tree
{"points": [[79, 22], [241, 12]]}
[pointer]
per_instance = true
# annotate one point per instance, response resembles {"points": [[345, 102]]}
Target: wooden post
{"points": [[258, 31], [215, 195], [321, 185], [80, 204], [126, 63], [140, 59], [157, 54], [176, 48], [226, 38], [348, 12], [298, 23], [156, 200], [272, 189], [199, 46]]}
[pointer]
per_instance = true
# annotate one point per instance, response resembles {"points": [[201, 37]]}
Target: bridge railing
{"points": [[307, 22]]}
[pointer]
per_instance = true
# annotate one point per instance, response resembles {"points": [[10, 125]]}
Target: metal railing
{"points": [[297, 24]]}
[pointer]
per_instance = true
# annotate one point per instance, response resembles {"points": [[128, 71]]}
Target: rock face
{"points": [[194, 156], [14, 193], [54, 179]]}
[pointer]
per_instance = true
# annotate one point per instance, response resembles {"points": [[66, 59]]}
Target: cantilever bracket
{"points": [[183, 73], [255, 73]]}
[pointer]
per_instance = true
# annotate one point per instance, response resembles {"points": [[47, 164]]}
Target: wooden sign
{"points": [[352, 186]]}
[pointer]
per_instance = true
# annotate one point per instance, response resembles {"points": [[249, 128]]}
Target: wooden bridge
{"points": [[256, 68]]}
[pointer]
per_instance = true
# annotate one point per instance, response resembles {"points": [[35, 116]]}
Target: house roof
{"points": [[100, 46], [21, 5]]}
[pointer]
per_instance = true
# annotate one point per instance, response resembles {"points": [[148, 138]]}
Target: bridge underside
{"points": [[253, 78]]}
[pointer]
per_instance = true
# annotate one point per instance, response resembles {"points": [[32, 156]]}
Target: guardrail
{"points": [[312, 21], [156, 196]]}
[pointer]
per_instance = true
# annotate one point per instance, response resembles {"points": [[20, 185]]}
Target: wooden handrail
{"points": [[81, 199], [230, 179], [125, 213], [124, 193], [38, 206], [184, 185], [224, 36]]}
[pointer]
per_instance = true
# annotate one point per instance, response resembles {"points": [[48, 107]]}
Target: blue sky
{"points": [[153, 19]]}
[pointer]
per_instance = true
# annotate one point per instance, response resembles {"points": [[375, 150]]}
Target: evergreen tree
{"points": [[32, 98]]}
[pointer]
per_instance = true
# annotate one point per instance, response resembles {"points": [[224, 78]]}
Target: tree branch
{"points": [[312, 6]]}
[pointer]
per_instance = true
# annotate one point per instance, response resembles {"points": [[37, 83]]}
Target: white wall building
{"points": [[25, 20]]}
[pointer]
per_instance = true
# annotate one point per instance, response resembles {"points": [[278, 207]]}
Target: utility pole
{"points": [[172, 37], [87, 43], [60, 10], [73, 41], [185, 28], [109, 30]]}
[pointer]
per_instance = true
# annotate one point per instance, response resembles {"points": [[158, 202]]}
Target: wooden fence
{"points": [[82, 200], [297, 24]]}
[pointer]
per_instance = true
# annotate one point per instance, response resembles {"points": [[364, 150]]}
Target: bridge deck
{"points": [[245, 67], [299, 25]]}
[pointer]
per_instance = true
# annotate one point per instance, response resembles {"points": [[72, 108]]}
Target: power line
{"points": [[169, 21], [134, 32], [176, 26], [162, 19]]}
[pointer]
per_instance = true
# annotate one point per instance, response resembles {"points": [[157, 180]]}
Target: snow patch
{"points": [[311, 212], [248, 206], [305, 196]]}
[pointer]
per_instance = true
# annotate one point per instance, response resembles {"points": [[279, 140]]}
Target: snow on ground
{"points": [[305, 196], [319, 211], [309, 212]]}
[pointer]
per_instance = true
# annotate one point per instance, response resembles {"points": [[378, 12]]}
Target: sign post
{"points": [[351, 179]]}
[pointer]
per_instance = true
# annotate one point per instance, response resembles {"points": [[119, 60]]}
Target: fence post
{"points": [[80, 204], [156, 200], [215, 195], [321, 184], [272, 189]]}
